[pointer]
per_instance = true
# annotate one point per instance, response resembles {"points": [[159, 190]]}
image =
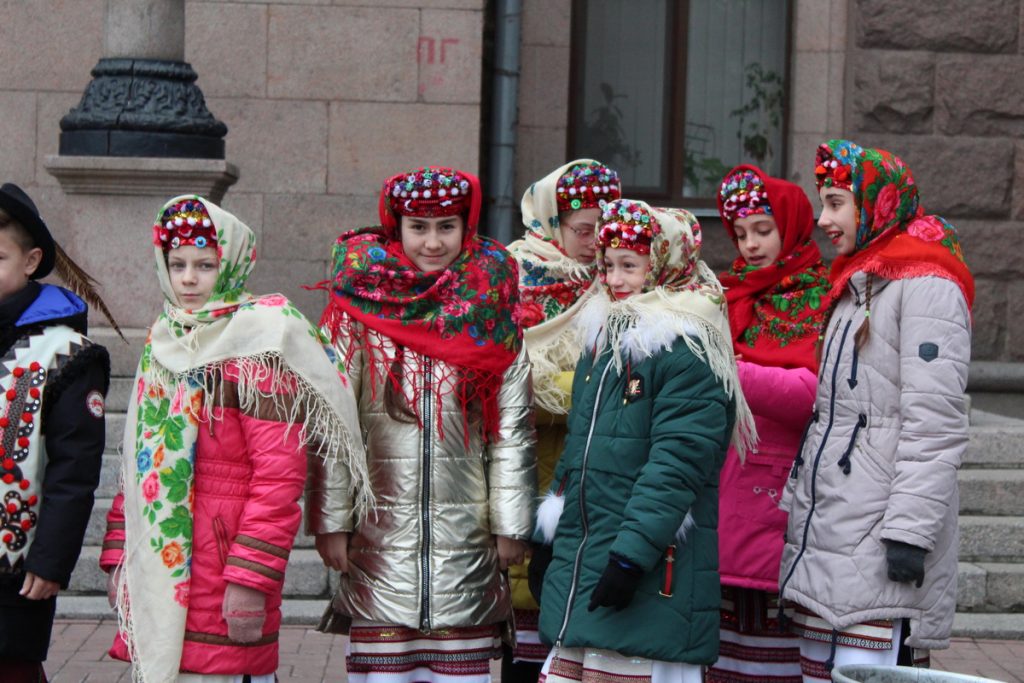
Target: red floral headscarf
{"points": [[464, 315], [895, 239], [776, 312]]}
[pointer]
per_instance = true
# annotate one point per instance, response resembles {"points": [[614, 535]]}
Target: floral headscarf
{"points": [[464, 315], [775, 312], [261, 338], [681, 298], [552, 284], [895, 238]]}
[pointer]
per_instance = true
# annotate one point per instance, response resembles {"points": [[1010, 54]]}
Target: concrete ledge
{"points": [[997, 376], [142, 175], [1000, 626]]}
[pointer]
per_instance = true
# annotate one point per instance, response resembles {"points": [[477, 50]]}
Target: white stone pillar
{"points": [[145, 29]]}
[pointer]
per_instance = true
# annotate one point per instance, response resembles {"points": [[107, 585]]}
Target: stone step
{"points": [[308, 585], [109, 476], [982, 491], [95, 607], [98, 526], [115, 432], [995, 446], [1004, 586], [124, 358], [989, 626], [991, 539], [118, 394], [308, 612], [991, 492], [306, 575]]}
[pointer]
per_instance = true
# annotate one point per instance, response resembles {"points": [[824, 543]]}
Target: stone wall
{"points": [[541, 143], [323, 99], [940, 84]]}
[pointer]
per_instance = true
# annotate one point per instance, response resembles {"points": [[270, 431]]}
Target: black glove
{"points": [[617, 586], [906, 562], [539, 561]]}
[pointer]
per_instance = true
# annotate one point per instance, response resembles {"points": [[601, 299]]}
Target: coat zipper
{"points": [[583, 508], [814, 466], [425, 498]]}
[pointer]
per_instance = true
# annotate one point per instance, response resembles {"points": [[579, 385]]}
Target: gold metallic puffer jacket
{"points": [[425, 556]]}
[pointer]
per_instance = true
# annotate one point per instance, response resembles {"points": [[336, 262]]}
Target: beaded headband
{"points": [[186, 222], [626, 224], [587, 186], [829, 171], [743, 194], [428, 193]]}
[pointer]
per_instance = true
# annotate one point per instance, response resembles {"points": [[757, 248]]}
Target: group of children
{"points": [[743, 477]]}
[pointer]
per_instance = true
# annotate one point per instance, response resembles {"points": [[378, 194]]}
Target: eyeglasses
{"points": [[583, 234]]}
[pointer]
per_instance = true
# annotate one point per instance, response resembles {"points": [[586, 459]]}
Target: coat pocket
{"points": [[220, 532], [880, 470], [759, 487]]}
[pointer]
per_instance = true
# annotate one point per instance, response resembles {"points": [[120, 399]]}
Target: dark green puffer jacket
{"points": [[657, 439]]}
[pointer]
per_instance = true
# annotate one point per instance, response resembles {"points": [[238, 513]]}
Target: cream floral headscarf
{"points": [[265, 338], [553, 286], [681, 298]]}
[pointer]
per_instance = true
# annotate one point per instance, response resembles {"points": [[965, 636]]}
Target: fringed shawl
{"points": [[266, 342]]}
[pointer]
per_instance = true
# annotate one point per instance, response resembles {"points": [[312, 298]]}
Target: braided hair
{"points": [[860, 337]]}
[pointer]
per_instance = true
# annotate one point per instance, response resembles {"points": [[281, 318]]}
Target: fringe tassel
{"points": [[637, 331], [547, 363], [467, 384], [322, 430]]}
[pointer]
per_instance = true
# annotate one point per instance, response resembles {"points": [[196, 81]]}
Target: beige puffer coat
{"points": [[425, 556], [880, 462]]}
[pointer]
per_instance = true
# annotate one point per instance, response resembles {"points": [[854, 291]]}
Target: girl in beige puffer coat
{"points": [[871, 549]]}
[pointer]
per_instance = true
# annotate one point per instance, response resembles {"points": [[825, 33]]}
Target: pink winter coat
{"points": [[249, 475], [750, 523]]}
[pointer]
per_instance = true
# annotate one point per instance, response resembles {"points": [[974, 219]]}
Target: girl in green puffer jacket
{"points": [[632, 588]]}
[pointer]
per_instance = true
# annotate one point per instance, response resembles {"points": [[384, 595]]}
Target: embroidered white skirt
{"points": [[589, 665], [397, 654]]}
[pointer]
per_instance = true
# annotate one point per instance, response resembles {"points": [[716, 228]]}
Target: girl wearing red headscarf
{"points": [[424, 313], [777, 293]]}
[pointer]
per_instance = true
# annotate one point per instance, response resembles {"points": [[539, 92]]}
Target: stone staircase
{"points": [[990, 596], [991, 587]]}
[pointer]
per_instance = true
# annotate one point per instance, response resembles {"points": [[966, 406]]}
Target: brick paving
{"points": [[78, 655]]}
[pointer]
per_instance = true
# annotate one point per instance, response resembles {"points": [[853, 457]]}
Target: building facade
{"points": [[325, 98]]}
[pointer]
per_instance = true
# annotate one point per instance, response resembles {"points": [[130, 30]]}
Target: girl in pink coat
{"points": [[777, 293], [230, 390]]}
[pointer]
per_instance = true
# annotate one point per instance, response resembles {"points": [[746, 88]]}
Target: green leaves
{"points": [[172, 429], [179, 524], [155, 412], [176, 481]]}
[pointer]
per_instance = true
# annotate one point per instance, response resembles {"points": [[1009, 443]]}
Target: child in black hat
{"points": [[53, 381]]}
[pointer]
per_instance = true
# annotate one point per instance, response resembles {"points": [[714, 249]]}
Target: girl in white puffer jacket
{"points": [[871, 550]]}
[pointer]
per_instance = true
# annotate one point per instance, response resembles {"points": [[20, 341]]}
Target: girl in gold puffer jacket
{"points": [[424, 312]]}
